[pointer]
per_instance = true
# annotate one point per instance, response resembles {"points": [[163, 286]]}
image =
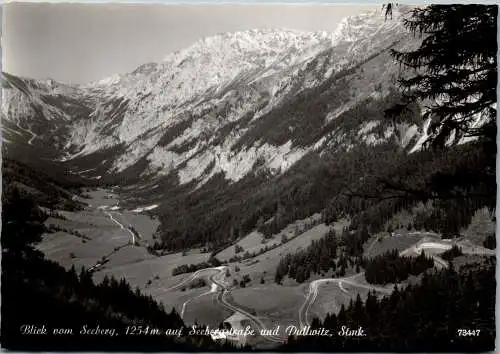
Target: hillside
{"points": [[261, 178], [68, 310], [229, 126]]}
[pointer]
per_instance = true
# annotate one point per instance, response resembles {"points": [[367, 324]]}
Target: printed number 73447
{"points": [[468, 332]]}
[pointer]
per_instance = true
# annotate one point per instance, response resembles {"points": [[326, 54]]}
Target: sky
{"points": [[79, 43]]}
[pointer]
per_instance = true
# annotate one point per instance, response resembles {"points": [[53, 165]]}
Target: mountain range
{"points": [[235, 117]]}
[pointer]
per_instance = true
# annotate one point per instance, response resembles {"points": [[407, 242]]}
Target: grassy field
{"points": [[156, 269], [175, 299], [330, 298], [251, 243], [264, 265], [98, 235], [275, 304], [126, 256], [254, 242], [400, 241], [58, 246], [206, 310], [142, 223]]}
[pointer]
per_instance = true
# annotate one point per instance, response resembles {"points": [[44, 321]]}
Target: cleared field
{"points": [[156, 269], [328, 295], [127, 255], [58, 247], [206, 310], [481, 225], [266, 263], [101, 197], [100, 238], [329, 300], [466, 260], [105, 239], [69, 249], [384, 242], [274, 304], [254, 242], [107, 233], [87, 218], [176, 299], [142, 223], [471, 248], [251, 243]]}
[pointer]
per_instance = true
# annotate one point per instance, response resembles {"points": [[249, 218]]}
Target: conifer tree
{"points": [[455, 68]]}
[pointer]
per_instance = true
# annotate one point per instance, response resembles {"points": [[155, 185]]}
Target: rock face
{"points": [[226, 104]]}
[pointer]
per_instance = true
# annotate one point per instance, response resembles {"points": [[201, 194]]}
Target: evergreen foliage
{"points": [[185, 268], [453, 252], [319, 257], [456, 69], [37, 292], [390, 267], [490, 242], [419, 318]]}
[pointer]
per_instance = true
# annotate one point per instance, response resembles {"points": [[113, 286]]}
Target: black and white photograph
{"points": [[234, 177]]}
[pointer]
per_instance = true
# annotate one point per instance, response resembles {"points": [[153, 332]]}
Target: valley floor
{"points": [[114, 242]]}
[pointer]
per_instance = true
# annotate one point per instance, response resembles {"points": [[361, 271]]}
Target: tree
{"points": [[388, 9], [456, 69], [490, 241], [453, 73], [21, 220], [453, 252], [214, 262], [417, 312]]}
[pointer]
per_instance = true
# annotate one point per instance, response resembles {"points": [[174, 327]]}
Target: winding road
{"points": [[434, 246], [225, 303], [313, 291], [33, 135], [222, 289], [190, 278], [121, 226], [213, 289]]}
